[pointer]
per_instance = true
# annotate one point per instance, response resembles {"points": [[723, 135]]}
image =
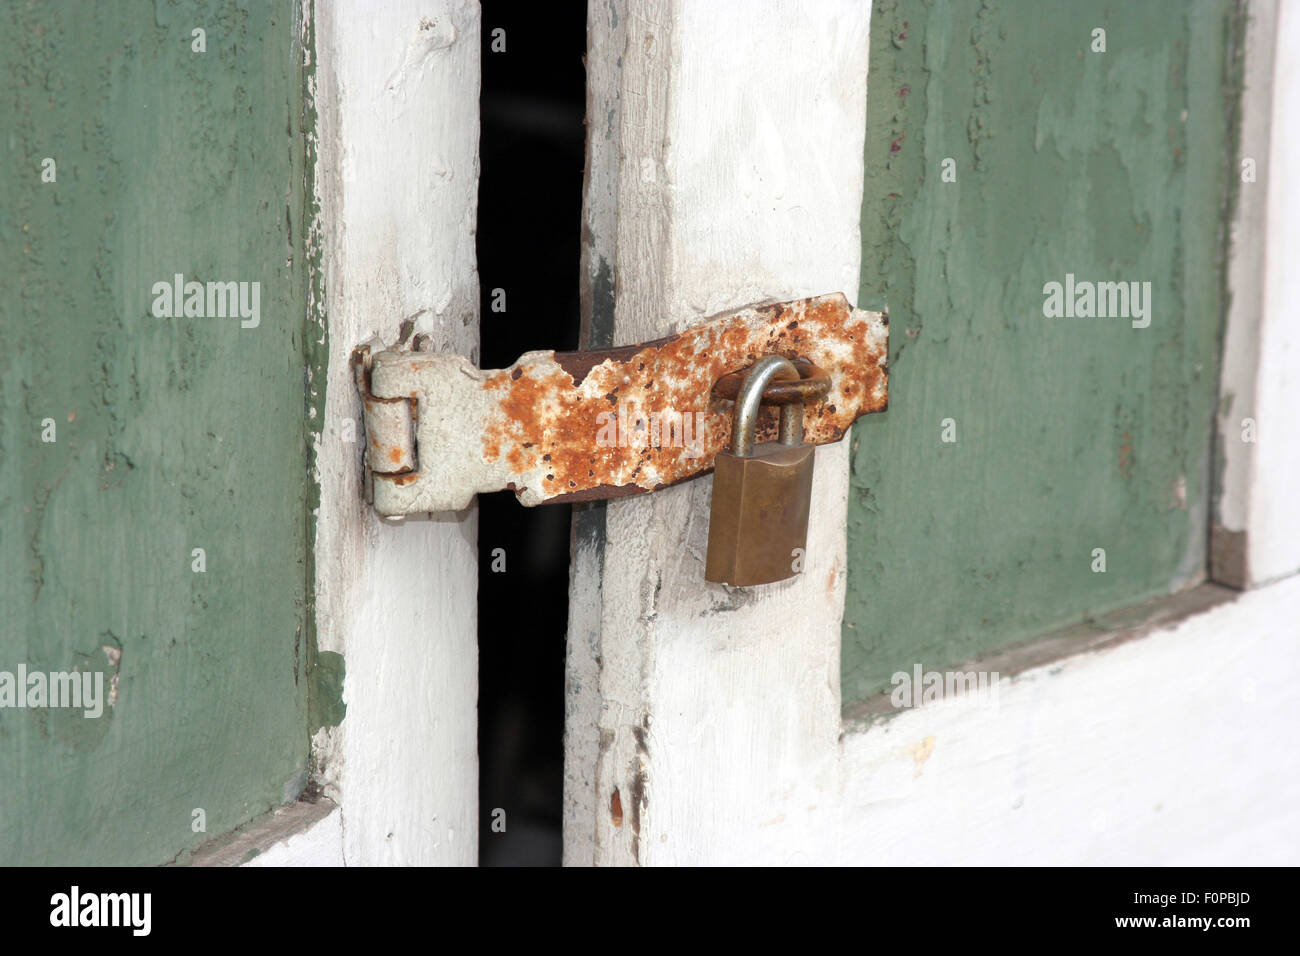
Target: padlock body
{"points": [[759, 514]]}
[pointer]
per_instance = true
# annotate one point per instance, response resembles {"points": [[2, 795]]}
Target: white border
{"points": [[1256, 537]]}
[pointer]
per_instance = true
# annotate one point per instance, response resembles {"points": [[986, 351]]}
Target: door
{"points": [[156, 525], [201, 220], [1033, 508], [210, 210]]}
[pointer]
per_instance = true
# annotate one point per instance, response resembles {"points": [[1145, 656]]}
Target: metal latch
{"points": [[578, 426]]}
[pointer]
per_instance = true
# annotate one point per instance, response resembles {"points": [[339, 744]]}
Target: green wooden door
{"points": [[1010, 146], [129, 439]]}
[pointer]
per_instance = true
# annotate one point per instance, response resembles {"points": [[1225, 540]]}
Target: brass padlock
{"points": [[758, 524]]}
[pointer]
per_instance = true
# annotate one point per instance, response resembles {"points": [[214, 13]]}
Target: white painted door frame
{"points": [[725, 168], [397, 95], [703, 725], [1256, 533]]}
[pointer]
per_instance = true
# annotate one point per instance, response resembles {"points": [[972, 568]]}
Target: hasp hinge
{"points": [[579, 426]]}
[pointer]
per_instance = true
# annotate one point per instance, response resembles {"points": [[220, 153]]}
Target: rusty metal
{"points": [[758, 521], [744, 420], [390, 424], [542, 427], [812, 385]]}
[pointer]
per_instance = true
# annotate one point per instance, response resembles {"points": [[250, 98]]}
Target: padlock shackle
{"points": [[745, 421]]}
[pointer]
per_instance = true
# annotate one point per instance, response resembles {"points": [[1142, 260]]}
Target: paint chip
{"points": [[921, 753]]}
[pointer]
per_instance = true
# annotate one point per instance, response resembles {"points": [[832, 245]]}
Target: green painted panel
{"points": [[172, 433], [1072, 434]]}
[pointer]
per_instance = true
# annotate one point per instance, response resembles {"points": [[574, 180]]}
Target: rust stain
{"points": [[394, 459], [583, 422], [1126, 455], [616, 809], [921, 753], [578, 364]]}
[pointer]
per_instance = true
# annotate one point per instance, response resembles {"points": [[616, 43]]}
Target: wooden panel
{"points": [[1071, 434], [172, 433]]}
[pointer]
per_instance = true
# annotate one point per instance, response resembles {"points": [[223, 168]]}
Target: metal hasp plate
{"points": [[577, 426]]}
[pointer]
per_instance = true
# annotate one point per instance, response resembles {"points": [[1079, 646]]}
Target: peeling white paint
{"points": [[398, 91], [1158, 751], [1257, 506], [719, 708]]}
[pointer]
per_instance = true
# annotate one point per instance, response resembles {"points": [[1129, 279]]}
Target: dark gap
{"points": [[529, 221]]}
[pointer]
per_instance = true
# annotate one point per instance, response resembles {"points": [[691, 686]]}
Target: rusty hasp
{"points": [[575, 426]]}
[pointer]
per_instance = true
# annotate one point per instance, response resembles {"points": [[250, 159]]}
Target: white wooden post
{"points": [[397, 88], [703, 725], [725, 167], [1256, 537]]}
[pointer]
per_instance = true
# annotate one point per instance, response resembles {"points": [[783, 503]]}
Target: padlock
{"points": [[758, 524]]}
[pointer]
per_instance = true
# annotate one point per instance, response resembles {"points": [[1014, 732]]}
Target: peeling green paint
{"points": [[172, 434], [1072, 434], [325, 693], [325, 670]]}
